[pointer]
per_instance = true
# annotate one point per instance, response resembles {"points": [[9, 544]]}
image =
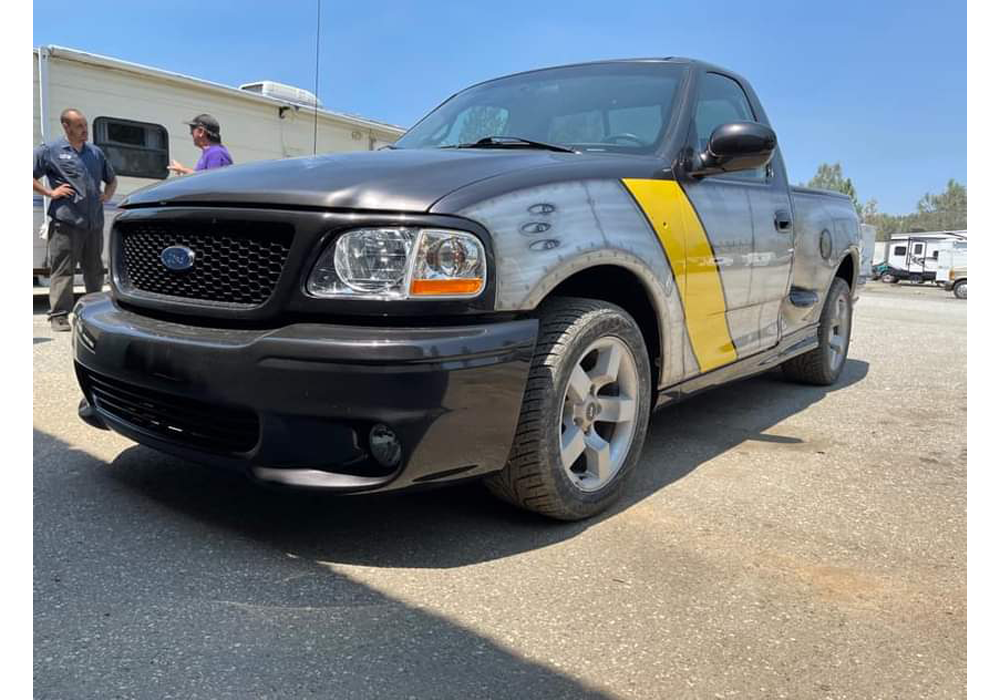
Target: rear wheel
{"points": [[823, 365], [584, 414], [959, 289]]}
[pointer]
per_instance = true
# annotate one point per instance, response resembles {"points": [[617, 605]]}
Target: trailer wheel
{"points": [[822, 366], [959, 289], [584, 414], [916, 279], [889, 278]]}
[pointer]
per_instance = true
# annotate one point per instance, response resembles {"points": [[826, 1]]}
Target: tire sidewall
{"points": [[609, 322], [838, 289]]}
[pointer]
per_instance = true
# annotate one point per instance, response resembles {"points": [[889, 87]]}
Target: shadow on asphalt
{"points": [[131, 579], [462, 524]]}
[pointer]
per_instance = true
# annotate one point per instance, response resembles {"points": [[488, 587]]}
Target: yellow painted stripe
{"points": [[697, 276]]}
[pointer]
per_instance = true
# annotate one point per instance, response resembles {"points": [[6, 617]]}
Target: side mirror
{"points": [[733, 147]]}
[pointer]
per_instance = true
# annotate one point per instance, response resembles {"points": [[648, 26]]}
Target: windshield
{"points": [[619, 107]]}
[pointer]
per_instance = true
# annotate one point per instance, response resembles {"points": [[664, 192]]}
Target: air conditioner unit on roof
{"points": [[280, 91]]}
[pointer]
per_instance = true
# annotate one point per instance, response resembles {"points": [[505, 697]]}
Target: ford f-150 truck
{"points": [[508, 292]]}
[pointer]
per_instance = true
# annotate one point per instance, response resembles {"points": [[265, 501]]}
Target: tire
{"points": [[578, 334], [889, 278], [822, 366], [959, 289], [916, 279]]}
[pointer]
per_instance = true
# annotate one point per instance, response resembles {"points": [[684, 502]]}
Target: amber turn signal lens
{"points": [[445, 287]]}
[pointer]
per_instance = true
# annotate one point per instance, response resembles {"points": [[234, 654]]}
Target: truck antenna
{"points": [[316, 91]]}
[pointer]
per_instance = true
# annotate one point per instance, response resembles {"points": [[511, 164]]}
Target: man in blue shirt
{"points": [[206, 135], [75, 170]]}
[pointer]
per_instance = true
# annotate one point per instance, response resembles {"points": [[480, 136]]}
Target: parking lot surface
{"points": [[778, 541]]}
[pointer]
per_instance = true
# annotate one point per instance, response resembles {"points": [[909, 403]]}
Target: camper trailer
{"points": [[954, 255], [137, 116], [913, 257]]}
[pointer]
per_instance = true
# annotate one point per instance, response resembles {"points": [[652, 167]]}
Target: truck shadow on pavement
{"points": [[131, 578], [462, 524]]}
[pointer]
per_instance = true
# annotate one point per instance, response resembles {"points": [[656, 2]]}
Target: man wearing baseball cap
{"points": [[207, 136]]}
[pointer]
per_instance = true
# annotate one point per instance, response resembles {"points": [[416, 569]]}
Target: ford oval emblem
{"points": [[177, 258]]}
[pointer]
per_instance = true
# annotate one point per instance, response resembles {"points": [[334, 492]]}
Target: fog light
{"points": [[384, 446]]}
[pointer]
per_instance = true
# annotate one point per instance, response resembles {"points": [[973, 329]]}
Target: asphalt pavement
{"points": [[778, 541]]}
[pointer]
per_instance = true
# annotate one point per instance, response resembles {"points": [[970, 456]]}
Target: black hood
{"points": [[409, 180]]}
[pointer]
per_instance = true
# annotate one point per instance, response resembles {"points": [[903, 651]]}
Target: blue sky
{"points": [[878, 86]]}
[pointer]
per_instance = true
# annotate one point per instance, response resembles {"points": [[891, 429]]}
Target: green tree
{"points": [[945, 211], [831, 177], [948, 210]]}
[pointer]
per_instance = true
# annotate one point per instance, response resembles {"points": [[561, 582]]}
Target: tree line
{"points": [[943, 211]]}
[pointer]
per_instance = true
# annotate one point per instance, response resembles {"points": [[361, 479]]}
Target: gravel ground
{"points": [[779, 541]]}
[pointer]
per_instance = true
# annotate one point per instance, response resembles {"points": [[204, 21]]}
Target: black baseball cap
{"points": [[206, 122]]}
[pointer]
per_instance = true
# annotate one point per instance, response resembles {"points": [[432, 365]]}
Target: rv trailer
{"points": [[137, 116], [913, 257]]}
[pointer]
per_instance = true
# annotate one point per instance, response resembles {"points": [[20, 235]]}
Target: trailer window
{"points": [[899, 250], [135, 149], [918, 249]]}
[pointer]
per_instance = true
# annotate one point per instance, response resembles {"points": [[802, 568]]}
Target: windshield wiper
{"points": [[512, 142]]}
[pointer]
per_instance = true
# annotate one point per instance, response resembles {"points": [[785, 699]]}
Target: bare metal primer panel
{"points": [[542, 235]]}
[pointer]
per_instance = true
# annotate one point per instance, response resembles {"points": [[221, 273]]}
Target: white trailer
{"points": [[913, 257], [137, 116], [954, 255], [867, 251]]}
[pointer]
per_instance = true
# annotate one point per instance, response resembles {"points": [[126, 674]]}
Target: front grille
{"points": [[236, 263], [184, 421]]}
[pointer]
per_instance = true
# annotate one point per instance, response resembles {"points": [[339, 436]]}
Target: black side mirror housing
{"points": [[733, 147]]}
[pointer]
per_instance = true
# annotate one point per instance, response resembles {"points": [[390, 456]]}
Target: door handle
{"points": [[782, 220]]}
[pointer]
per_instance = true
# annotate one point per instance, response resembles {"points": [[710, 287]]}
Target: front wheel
{"points": [[584, 414], [823, 365], [959, 289], [889, 278]]}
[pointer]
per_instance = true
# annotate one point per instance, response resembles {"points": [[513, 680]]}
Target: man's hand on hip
{"points": [[64, 190]]}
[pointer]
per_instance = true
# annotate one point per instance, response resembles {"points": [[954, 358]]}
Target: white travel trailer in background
{"points": [[913, 257], [954, 255], [867, 251], [137, 117]]}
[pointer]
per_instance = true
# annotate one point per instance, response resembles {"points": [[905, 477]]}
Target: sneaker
{"points": [[60, 324]]}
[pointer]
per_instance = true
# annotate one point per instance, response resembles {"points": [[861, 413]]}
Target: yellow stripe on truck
{"points": [[693, 262]]}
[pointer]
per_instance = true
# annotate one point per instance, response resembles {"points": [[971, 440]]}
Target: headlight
{"points": [[400, 263]]}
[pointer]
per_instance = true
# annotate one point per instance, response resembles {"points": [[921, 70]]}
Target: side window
{"points": [[936, 254], [135, 149], [721, 100], [899, 250]]}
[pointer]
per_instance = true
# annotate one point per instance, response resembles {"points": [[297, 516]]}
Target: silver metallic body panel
{"points": [[826, 232], [753, 262], [543, 235]]}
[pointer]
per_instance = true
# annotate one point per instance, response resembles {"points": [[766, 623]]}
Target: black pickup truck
{"points": [[508, 292]]}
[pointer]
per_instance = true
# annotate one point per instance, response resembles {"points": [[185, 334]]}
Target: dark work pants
{"points": [[68, 246]]}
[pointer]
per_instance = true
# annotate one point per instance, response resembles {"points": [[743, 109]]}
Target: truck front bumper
{"points": [[336, 407]]}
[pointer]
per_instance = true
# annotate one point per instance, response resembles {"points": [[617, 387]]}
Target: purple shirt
{"points": [[215, 156]]}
